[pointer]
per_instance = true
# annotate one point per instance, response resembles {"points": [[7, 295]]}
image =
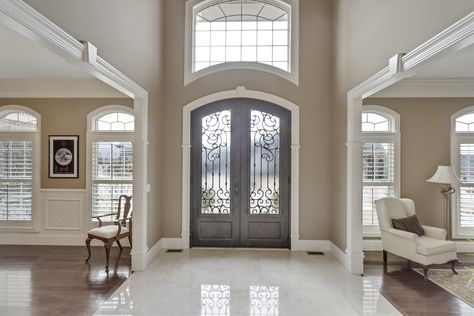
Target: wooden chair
{"points": [[110, 233]]}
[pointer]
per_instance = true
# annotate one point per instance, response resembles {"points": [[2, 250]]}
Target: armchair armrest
{"points": [[404, 234], [122, 220], [435, 232], [105, 215]]}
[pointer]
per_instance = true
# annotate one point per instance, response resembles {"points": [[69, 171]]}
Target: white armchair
{"points": [[428, 249]]}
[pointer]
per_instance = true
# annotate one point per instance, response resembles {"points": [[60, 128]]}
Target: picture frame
{"points": [[63, 156]]}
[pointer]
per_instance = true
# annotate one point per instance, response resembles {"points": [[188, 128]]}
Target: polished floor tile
{"points": [[211, 282]]}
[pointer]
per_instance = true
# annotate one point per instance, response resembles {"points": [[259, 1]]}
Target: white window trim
{"points": [[103, 136], [292, 76], [384, 137], [456, 137], [35, 137]]}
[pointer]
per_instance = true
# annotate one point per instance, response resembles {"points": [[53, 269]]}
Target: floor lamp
{"points": [[445, 176]]}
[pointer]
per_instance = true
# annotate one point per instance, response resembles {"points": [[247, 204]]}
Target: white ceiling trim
{"points": [[429, 88], [57, 89]]}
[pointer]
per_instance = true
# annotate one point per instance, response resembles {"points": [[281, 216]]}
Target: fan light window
{"points": [[241, 31]]}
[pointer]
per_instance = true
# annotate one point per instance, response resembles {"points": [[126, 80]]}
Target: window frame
{"points": [[94, 135], [293, 55], [35, 138], [392, 136], [458, 138]]}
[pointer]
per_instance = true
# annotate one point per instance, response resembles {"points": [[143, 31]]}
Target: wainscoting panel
{"points": [[63, 209]]}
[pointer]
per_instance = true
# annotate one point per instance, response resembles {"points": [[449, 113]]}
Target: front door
{"points": [[240, 174]]}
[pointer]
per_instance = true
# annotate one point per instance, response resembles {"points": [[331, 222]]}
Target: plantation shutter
{"points": [[112, 175], [16, 180], [466, 190], [378, 173]]}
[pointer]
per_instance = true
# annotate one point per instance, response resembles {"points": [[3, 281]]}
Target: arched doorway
{"points": [[240, 174]]}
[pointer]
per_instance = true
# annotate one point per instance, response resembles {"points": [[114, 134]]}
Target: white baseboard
{"points": [[311, 245], [41, 239], [340, 255], [172, 243], [153, 252], [376, 245]]}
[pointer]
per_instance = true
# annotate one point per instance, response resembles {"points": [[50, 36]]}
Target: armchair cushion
{"points": [[409, 224], [107, 231], [429, 246]]}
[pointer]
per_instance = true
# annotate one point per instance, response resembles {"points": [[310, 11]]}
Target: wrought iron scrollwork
{"points": [[265, 163], [215, 180]]}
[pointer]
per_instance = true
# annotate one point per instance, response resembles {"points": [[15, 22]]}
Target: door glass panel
{"points": [[264, 163], [215, 167]]}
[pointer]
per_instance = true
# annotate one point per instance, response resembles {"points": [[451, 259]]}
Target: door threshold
{"points": [[241, 248]]}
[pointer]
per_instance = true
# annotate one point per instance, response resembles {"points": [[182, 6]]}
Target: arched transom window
{"points": [[241, 31], [115, 122], [17, 121], [380, 161]]}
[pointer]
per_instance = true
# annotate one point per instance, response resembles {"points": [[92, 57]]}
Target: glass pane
{"points": [[215, 182], [236, 25], [375, 122], [116, 121], [466, 155], [466, 196], [369, 195], [105, 197], [378, 162], [17, 121], [15, 201], [112, 161], [465, 123], [16, 160], [264, 163]]}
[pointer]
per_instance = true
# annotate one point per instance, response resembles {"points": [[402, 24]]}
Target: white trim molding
{"points": [[292, 75], [57, 89], [241, 92], [429, 88], [22, 18], [456, 37]]}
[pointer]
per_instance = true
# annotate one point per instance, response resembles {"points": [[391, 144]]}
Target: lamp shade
{"points": [[445, 175]]}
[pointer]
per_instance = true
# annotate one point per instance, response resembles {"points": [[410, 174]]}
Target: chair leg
{"points": [[425, 272], [408, 264], [120, 246], [130, 239], [88, 244], [384, 256], [453, 266], [107, 246]]}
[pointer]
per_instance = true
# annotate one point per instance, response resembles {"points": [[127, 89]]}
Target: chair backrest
{"points": [[126, 207], [389, 207]]}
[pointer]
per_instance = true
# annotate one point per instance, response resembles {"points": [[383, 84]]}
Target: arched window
{"points": [[19, 166], [381, 161], [110, 157], [226, 34], [462, 159]]}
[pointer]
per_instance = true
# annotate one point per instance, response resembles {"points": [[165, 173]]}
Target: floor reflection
{"points": [[264, 300], [15, 288], [215, 300], [370, 298]]}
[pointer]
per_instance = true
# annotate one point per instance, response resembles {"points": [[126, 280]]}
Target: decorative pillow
{"points": [[410, 224]]}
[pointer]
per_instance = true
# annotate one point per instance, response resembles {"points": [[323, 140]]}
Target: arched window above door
{"points": [[236, 34]]}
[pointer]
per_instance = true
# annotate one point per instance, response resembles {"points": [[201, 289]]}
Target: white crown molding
{"points": [[429, 88], [57, 89]]}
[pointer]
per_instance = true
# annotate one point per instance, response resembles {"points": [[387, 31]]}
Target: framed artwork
{"points": [[64, 156]]}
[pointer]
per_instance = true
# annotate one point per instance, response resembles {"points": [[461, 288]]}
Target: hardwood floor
{"points": [[52, 280], [409, 292]]}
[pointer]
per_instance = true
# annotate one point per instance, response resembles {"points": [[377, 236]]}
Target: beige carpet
{"points": [[460, 285]]}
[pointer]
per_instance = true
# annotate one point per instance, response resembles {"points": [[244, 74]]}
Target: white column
{"points": [[354, 250], [140, 180]]}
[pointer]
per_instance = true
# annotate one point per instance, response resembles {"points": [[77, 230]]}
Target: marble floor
{"points": [[247, 282]]}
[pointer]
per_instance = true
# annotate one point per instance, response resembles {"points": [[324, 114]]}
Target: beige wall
{"points": [[368, 33], [64, 117], [425, 125], [128, 34], [313, 96]]}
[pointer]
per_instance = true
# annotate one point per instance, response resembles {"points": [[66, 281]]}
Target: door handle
{"points": [[236, 188]]}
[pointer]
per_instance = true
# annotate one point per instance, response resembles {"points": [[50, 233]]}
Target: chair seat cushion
{"points": [[107, 231], [429, 246]]}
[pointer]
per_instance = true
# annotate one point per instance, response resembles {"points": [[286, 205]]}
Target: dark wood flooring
{"points": [[409, 292], [51, 280]]}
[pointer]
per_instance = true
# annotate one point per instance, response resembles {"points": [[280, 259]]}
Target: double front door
{"points": [[240, 174]]}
